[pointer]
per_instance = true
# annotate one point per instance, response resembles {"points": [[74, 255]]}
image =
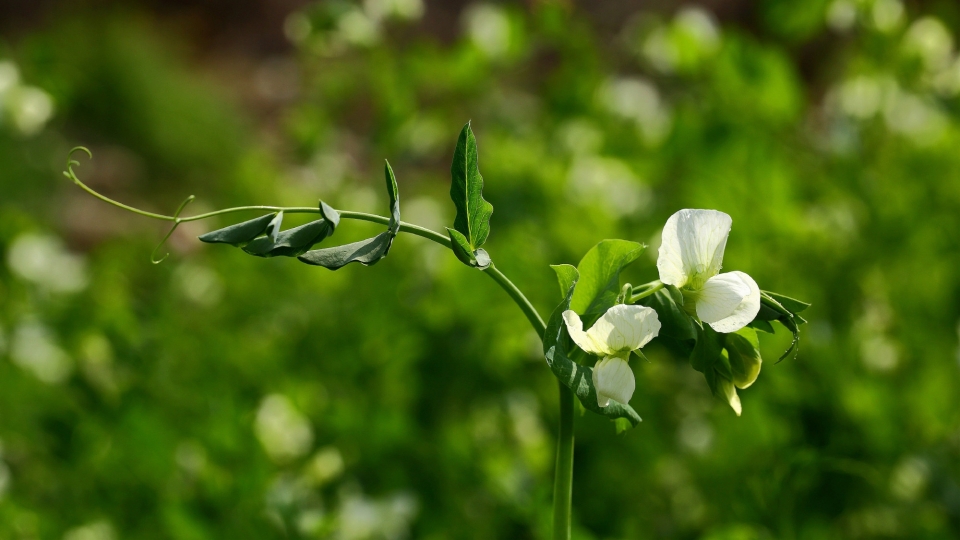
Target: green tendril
{"points": [[176, 223]]}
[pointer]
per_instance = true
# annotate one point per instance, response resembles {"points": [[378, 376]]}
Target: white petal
{"points": [[730, 393], [720, 296], [692, 246], [625, 328], [745, 312], [583, 340], [613, 379]]}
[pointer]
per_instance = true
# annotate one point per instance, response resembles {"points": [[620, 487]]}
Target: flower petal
{"points": [[692, 246], [720, 297], [583, 340], [613, 379], [625, 328], [745, 312]]}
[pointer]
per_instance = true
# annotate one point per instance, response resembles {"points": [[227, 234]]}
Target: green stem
{"points": [[654, 286], [518, 298], [563, 486], [563, 476]]}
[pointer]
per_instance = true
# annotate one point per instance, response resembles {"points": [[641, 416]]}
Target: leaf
{"points": [[599, 269], [366, 252], [762, 326], [707, 350], [772, 310], [793, 305], [466, 190], [477, 259], [291, 242], [743, 352], [674, 322], [567, 275], [574, 376], [394, 193], [239, 234]]}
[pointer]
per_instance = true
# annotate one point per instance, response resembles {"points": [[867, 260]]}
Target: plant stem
{"points": [[654, 286], [518, 298], [563, 476]]}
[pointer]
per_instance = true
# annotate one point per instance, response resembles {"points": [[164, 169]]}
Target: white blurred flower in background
{"points": [[284, 432], [637, 99], [98, 530], [488, 27], [364, 518], [43, 260], [34, 349], [27, 108], [931, 41]]}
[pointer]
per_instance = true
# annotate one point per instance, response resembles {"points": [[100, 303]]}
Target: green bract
{"points": [[599, 272]]}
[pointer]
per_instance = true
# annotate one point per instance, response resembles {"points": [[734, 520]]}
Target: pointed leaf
{"points": [[329, 214], [461, 248], [599, 283], [466, 190], [291, 242], [239, 234], [792, 304], [575, 376], [366, 252], [394, 193], [567, 275]]}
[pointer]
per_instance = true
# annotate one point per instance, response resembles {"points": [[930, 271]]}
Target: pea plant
{"points": [[695, 309]]}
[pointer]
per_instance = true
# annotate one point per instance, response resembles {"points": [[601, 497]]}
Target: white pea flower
{"points": [[621, 330], [691, 256]]}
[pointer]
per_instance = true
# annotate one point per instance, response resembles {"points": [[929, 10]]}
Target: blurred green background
{"points": [[218, 395]]}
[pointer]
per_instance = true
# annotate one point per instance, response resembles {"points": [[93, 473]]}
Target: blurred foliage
{"points": [[222, 396]]}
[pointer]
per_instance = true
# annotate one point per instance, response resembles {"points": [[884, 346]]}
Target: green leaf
{"points": [[600, 268], [461, 248], [772, 310], [466, 190], [574, 376], [567, 275], [743, 352], [706, 353], [762, 325], [394, 193], [793, 305], [674, 322], [239, 234], [291, 242], [366, 252]]}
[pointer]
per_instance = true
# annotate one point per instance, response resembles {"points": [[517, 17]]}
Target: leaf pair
{"points": [[472, 223], [589, 290], [365, 252], [262, 236]]}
